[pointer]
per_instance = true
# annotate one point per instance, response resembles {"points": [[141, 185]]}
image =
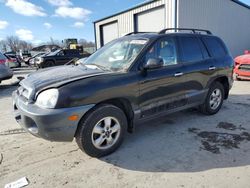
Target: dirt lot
{"points": [[185, 149]]}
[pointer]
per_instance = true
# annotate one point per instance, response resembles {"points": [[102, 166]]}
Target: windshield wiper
{"points": [[99, 66]]}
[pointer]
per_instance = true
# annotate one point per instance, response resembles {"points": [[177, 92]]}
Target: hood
{"points": [[48, 55], [243, 59], [56, 76]]}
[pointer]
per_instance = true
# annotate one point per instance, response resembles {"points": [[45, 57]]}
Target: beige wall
{"points": [[126, 20], [224, 18]]}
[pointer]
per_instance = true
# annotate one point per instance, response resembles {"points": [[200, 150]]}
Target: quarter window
{"points": [[164, 49], [191, 50], [214, 46]]}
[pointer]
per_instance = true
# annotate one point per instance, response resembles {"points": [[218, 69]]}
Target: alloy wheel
{"points": [[106, 133]]}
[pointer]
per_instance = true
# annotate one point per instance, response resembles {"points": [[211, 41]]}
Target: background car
{"points": [[15, 56], [11, 61], [32, 60], [242, 66], [5, 72], [59, 57]]}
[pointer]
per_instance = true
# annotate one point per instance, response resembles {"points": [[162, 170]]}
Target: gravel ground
{"points": [[185, 149]]}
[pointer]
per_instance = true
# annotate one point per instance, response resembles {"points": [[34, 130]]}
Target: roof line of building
{"points": [[132, 8], [241, 3], [150, 1]]}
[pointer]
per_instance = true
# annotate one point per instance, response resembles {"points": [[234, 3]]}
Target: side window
{"points": [[215, 47], [164, 49], [190, 48], [61, 53]]}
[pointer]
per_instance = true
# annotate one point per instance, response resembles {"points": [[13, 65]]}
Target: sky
{"points": [[36, 21]]}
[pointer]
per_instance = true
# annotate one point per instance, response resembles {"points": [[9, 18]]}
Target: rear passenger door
{"points": [[199, 67]]}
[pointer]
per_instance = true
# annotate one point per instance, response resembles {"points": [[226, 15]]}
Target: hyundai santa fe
{"points": [[135, 78]]}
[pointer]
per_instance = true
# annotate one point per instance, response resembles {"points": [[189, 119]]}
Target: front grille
{"points": [[245, 67]]}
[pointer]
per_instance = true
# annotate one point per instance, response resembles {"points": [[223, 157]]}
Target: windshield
{"points": [[117, 55], [54, 53]]}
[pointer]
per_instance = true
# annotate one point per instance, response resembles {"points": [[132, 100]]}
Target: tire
{"points": [[213, 95], [87, 139], [48, 64], [238, 79]]}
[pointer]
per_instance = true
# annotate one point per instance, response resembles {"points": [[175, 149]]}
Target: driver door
{"points": [[162, 89]]}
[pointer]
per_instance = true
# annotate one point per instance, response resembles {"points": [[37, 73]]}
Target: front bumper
{"points": [[241, 73], [49, 124]]}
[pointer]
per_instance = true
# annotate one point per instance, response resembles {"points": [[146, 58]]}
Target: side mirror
{"points": [[247, 52], [154, 63]]}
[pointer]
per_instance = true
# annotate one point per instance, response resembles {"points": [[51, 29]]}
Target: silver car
{"points": [[5, 72]]}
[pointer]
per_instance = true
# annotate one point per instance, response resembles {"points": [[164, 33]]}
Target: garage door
{"points": [[109, 32], [150, 21]]}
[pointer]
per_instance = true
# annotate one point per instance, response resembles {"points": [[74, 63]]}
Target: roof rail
{"points": [[197, 31], [133, 33]]}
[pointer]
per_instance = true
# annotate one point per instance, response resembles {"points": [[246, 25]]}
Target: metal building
{"points": [[228, 19]]}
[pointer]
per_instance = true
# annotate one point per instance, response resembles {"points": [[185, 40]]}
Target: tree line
{"points": [[14, 44]]}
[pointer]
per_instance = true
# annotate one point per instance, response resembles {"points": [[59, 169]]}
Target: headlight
{"points": [[48, 98], [39, 60]]}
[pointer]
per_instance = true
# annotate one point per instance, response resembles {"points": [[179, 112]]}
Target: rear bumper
{"points": [[5, 73], [49, 124]]}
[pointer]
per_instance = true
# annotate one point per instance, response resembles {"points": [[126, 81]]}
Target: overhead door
{"points": [[150, 21], [109, 32]]}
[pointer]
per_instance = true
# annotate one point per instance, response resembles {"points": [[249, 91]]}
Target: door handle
{"points": [[178, 74], [212, 68]]}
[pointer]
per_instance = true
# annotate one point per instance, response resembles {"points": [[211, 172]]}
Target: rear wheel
{"points": [[102, 131], [214, 99]]}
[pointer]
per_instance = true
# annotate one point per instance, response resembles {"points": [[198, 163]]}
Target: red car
{"points": [[242, 66]]}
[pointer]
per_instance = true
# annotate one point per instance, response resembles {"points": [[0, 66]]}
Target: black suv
{"points": [[135, 78], [59, 57]]}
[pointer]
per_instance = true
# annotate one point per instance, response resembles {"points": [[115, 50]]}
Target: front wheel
{"points": [[47, 64], [214, 99], [101, 132]]}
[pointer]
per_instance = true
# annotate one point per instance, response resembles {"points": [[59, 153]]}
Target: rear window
{"points": [[215, 47], [190, 48]]}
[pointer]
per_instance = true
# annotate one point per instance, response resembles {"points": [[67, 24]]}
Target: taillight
{"points": [[2, 61]]}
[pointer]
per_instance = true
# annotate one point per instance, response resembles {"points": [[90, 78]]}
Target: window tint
{"points": [[164, 49], [204, 50], [191, 50], [215, 47]]}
